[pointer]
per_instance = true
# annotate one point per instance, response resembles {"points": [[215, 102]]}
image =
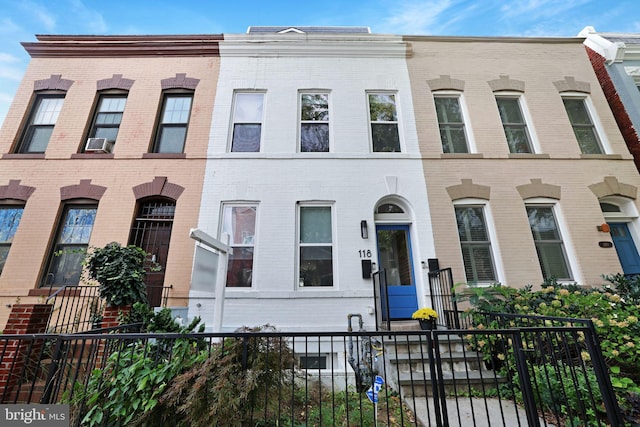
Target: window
{"points": [[43, 118], [314, 122], [9, 220], [549, 245], [239, 222], [513, 122], [475, 244], [247, 122], [172, 130], [451, 123], [313, 361], [316, 247], [384, 122], [72, 240], [583, 126], [108, 116]]}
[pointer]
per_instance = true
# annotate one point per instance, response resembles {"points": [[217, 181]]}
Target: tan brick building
{"points": [[146, 103], [521, 156]]}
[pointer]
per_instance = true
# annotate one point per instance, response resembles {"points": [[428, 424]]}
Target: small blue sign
{"points": [[373, 391]]}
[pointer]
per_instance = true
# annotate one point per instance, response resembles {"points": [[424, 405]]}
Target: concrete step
{"points": [[415, 384]]}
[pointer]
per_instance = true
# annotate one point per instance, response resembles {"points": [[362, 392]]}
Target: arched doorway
{"points": [[621, 214], [395, 257], [151, 230]]}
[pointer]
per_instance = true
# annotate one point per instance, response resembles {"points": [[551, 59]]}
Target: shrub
{"points": [[119, 271], [614, 315]]}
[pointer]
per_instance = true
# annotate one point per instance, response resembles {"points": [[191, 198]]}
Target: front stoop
{"points": [[457, 368]]}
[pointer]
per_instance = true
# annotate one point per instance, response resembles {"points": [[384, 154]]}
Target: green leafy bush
{"points": [[119, 271], [613, 308]]}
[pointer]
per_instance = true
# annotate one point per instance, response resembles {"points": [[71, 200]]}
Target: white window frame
{"points": [[466, 118], [561, 224], [301, 122], [241, 204], [396, 122], [299, 244], [526, 115], [493, 238], [595, 119], [233, 119]]}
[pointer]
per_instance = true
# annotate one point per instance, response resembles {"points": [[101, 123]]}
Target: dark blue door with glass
{"points": [[394, 256], [625, 247]]}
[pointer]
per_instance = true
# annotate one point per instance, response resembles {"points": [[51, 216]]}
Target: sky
{"points": [[21, 20]]}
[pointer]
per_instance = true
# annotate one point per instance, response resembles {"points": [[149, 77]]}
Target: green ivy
{"points": [[120, 273]]}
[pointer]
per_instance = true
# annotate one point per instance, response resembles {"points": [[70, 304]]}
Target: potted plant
{"points": [[119, 271], [427, 318]]}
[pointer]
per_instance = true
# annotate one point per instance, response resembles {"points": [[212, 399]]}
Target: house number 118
{"points": [[365, 253]]}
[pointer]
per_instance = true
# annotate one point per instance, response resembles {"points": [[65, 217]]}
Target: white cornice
{"points": [[611, 51], [312, 45]]}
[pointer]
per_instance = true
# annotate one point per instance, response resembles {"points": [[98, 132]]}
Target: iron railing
{"points": [[543, 375], [443, 299], [79, 308], [381, 300]]}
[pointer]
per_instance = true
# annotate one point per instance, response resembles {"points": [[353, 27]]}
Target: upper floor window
{"points": [[9, 220], [384, 122], [548, 241], [174, 120], [44, 115], [314, 122], [247, 122], [107, 118], [514, 124], [583, 125], [475, 244], [451, 123], [71, 243], [239, 222], [315, 259]]}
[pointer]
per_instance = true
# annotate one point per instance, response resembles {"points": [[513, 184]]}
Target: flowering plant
{"points": [[425, 314]]}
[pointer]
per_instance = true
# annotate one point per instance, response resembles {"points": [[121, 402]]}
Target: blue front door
{"points": [[394, 256], [625, 247]]}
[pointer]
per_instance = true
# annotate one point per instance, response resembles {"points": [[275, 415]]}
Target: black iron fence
{"points": [[542, 375], [79, 308], [443, 299], [381, 300]]}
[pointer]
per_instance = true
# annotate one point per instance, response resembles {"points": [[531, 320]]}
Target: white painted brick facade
{"points": [[351, 178]]}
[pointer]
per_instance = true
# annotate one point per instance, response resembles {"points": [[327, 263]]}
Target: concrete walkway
{"points": [[468, 412]]}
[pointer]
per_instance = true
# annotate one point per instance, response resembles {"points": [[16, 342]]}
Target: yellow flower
{"points": [[425, 313], [632, 319], [585, 356], [501, 356], [615, 352], [563, 292], [630, 344]]}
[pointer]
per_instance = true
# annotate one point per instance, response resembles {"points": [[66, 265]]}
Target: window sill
{"points": [[528, 156], [92, 156], [30, 156], [601, 156], [461, 155], [164, 155]]}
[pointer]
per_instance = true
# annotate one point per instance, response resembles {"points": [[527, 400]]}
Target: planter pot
{"points": [[427, 325]]}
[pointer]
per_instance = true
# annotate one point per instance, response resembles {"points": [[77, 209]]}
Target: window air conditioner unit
{"points": [[98, 145]]}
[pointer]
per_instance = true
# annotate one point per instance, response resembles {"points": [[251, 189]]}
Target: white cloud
{"points": [[41, 14], [7, 26], [91, 18], [8, 58], [537, 9], [414, 16], [10, 73]]}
